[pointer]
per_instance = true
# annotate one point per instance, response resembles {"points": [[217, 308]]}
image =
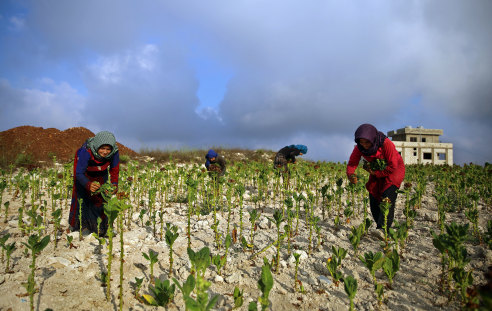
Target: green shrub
{"points": [[24, 159], [124, 159]]}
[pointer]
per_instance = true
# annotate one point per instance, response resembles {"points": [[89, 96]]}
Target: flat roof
{"points": [[416, 131]]}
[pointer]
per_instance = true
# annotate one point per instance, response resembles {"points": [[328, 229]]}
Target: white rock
{"points": [[19, 276], [324, 280], [342, 234], [264, 223], [60, 260], [302, 258], [234, 278], [80, 256], [283, 264], [218, 278], [330, 237]]}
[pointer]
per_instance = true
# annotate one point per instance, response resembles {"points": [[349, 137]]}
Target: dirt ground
{"points": [[68, 278]]}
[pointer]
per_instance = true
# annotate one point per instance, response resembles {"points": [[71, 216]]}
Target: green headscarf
{"points": [[102, 138]]}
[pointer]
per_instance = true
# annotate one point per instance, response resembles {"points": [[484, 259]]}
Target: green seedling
{"points": [[200, 261], [56, 219], [391, 265], [450, 245], [297, 257], [187, 287], [100, 240], [141, 215], [348, 212], [219, 262], [253, 217], [240, 190], [355, 236], [399, 235], [238, 297], [350, 286], [69, 242], [463, 279], [81, 202], [36, 246], [99, 221], [488, 234], [171, 236], [152, 258], [265, 284], [112, 208], [6, 205], [334, 262], [138, 286], [227, 242], [3, 240], [379, 290], [9, 248], [245, 244], [278, 219], [385, 208], [163, 293], [373, 262]]}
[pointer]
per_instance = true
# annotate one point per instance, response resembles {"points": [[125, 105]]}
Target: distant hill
{"points": [[41, 144]]}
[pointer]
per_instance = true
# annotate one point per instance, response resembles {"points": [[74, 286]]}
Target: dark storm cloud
{"points": [[301, 72], [148, 94]]}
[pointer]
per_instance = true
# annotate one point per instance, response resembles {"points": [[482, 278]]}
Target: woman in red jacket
{"points": [[373, 145]]}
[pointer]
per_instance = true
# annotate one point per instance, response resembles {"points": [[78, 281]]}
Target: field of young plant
{"points": [[252, 240]]}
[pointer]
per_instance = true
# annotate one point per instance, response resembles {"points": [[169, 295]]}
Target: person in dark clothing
{"points": [[215, 164], [90, 172], [288, 155], [384, 181]]}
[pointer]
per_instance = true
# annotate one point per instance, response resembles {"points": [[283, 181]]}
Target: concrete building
{"points": [[421, 146]]}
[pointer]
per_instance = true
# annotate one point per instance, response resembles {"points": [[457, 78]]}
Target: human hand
{"points": [[94, 186], [353, 179]]}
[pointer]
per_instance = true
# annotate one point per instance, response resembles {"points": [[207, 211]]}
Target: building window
{"points": [[414, 149], [427, 156], [441, 156], [413, 139], [424, 140], [415, 154]]}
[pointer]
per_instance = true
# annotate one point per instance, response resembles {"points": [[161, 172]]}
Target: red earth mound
{"points": [[41, 144]]}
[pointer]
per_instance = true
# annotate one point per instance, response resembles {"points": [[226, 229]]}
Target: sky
{"points": [[250, 74]]}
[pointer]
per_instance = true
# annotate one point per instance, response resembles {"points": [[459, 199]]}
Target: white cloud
{"points": [[56, 105]]}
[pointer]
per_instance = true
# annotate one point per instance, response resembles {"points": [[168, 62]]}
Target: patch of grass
{"points": [[231, 155], [124, 159], [24, 160]]}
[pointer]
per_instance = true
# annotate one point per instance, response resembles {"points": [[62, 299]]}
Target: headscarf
{"points": [[369, 132], [210, 154], [303, 149], [102, 138]]}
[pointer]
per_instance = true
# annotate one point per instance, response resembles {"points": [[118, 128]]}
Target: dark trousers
{"points": [[378, 216]]}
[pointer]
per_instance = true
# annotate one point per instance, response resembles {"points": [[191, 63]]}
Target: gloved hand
{"points": [[367, 167], [353, 179]]}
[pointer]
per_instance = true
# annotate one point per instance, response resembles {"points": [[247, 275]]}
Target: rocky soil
{"points": [[69, 278]]}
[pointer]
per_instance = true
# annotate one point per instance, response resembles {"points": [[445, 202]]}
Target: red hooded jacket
{"points": [[393, 174]]}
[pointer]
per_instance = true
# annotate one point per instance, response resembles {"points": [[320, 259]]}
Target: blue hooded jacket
{"points": [[210, 154], [303, 149]]}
